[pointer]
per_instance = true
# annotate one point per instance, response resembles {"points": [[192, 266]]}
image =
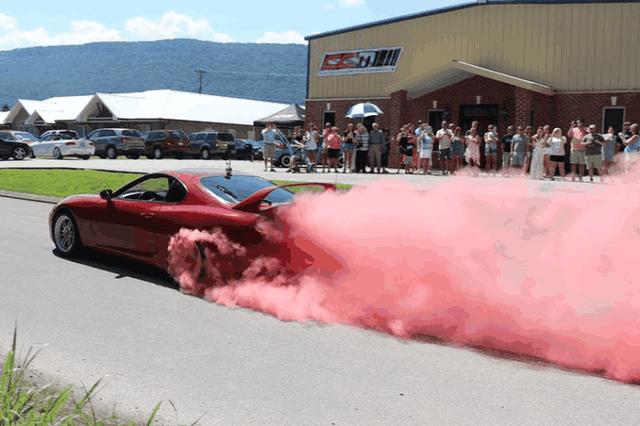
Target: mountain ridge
{"points": [[269, 72]]}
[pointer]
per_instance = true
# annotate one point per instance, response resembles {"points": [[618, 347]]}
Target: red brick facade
{"points": [[516, 106]]}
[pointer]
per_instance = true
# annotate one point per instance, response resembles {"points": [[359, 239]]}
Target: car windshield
{"points": [[24, 136], [237, 188]]}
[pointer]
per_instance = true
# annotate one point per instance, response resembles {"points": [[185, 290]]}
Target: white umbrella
{"points": [[362, 110]]}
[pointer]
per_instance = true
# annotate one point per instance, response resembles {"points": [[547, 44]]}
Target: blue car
{"points": [[247, 149]]}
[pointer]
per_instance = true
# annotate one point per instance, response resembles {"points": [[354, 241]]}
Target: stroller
{"points": [[299, 159]]}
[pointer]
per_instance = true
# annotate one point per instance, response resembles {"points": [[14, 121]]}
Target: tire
{"points": [[85, 157], [19, 153], [112, 154], [57, 155], [157, 153], [133, 157], [65, 234], [285, 160], [205, 154], [149, 156], [103, 156], [341, 161]]}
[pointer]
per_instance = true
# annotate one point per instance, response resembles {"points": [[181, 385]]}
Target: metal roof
{"points": [[454, 8]]}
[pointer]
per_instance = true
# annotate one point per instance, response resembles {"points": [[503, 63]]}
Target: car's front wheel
{"points": [[65, 234], [205, 154], [57, 154], [19, 153], [285, 160]]}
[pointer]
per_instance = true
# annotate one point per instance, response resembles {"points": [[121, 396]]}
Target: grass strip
{"points": [[62, 183]]}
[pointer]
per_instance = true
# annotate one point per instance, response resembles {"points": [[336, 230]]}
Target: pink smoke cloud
{"points": [[550, 274]]}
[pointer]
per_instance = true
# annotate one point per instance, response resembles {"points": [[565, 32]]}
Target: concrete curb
{"points": [[30, 197]]}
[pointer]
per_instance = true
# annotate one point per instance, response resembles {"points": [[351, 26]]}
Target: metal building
{"points": [[495, 61]]}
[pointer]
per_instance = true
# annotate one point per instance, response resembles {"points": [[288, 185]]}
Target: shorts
{"points": [[269, 150], [490, 150], [593, 161], [608, 155], [334, 153], [577, 157], [445, 154], [557, 158], [425, 153], [517, 159], [506, 159], [408, 160], [349, 146]]}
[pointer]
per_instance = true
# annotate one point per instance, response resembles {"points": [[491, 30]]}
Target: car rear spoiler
{"points": [[253, 202]]}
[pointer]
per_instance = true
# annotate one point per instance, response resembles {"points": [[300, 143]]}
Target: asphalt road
{"points": [[103, 319]]}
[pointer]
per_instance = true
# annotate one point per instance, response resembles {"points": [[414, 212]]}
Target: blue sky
{"points": [[24, 24]]}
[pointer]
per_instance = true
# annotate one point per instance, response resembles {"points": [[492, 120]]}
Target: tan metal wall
{"points": [[570, 47]]}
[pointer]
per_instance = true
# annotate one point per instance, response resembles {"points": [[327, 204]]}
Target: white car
{"points": [[63, 143]]}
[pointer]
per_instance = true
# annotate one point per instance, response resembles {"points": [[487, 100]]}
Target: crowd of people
{"points": [[542, 154]]}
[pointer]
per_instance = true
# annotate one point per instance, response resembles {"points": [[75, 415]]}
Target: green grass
{"points": [[62, 183]]}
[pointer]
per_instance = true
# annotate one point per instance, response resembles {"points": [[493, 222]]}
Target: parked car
{"points": [[209, 144], [166, 143], [138, 220], [72, 133], [247, 149], [62, 143], [11, 147], [109, 143]]}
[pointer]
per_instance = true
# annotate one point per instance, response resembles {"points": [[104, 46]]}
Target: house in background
{"points": [[145, 111]]}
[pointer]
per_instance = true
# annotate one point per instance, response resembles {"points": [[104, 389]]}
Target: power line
{"points": [[200, 73]]}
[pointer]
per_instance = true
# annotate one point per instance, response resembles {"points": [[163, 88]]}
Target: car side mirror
{"points": [[107, 194]]}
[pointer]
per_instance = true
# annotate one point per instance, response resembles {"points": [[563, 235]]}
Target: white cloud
{"points": [[351, 3], [174, 25], [81, 32], [7, 23], [284, 37]]}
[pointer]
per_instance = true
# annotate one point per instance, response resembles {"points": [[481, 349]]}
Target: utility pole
{"points": [[200, 73]]}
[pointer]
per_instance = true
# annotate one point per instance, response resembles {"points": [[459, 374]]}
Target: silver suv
{"points": [[113, 142]]}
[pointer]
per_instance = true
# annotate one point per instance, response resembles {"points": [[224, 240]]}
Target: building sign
{"points": [[360, 61]]}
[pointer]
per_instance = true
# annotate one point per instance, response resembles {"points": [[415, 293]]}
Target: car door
{"points": [[131, 224], [5, 148]]}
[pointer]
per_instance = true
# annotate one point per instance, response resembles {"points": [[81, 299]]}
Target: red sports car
{"points": [[138, 220]]}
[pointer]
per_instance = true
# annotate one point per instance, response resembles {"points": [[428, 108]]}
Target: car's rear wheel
{"points": [[19, 153], [65, 234], [112, 153], [57, 154], [285, 160], [157, 153], [205, 154]]}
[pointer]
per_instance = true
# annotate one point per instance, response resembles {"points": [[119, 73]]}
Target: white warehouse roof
{"points": [[148, 105]]}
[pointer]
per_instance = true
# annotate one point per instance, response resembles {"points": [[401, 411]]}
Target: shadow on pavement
{"points": [[122, 267]]}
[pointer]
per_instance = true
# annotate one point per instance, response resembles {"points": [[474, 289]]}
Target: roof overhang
{"points": [[457, 71]]}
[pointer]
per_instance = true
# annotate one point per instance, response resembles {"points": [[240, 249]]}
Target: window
{"points": [[153, 188], [178, 134], [131, 133], [226, 137], [329, 117], [154, 136], [107, 133], [210, 137], [237, 188]]}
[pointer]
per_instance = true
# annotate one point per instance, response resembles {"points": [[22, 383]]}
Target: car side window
{"points": [[108, 133], [151, 189], [95, 134], [211, 137]]}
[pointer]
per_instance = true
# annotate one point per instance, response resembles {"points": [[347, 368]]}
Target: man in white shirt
{"points": [[444, 137]]}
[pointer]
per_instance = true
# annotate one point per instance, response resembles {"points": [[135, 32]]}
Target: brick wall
{"points": [[589, 106]]}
